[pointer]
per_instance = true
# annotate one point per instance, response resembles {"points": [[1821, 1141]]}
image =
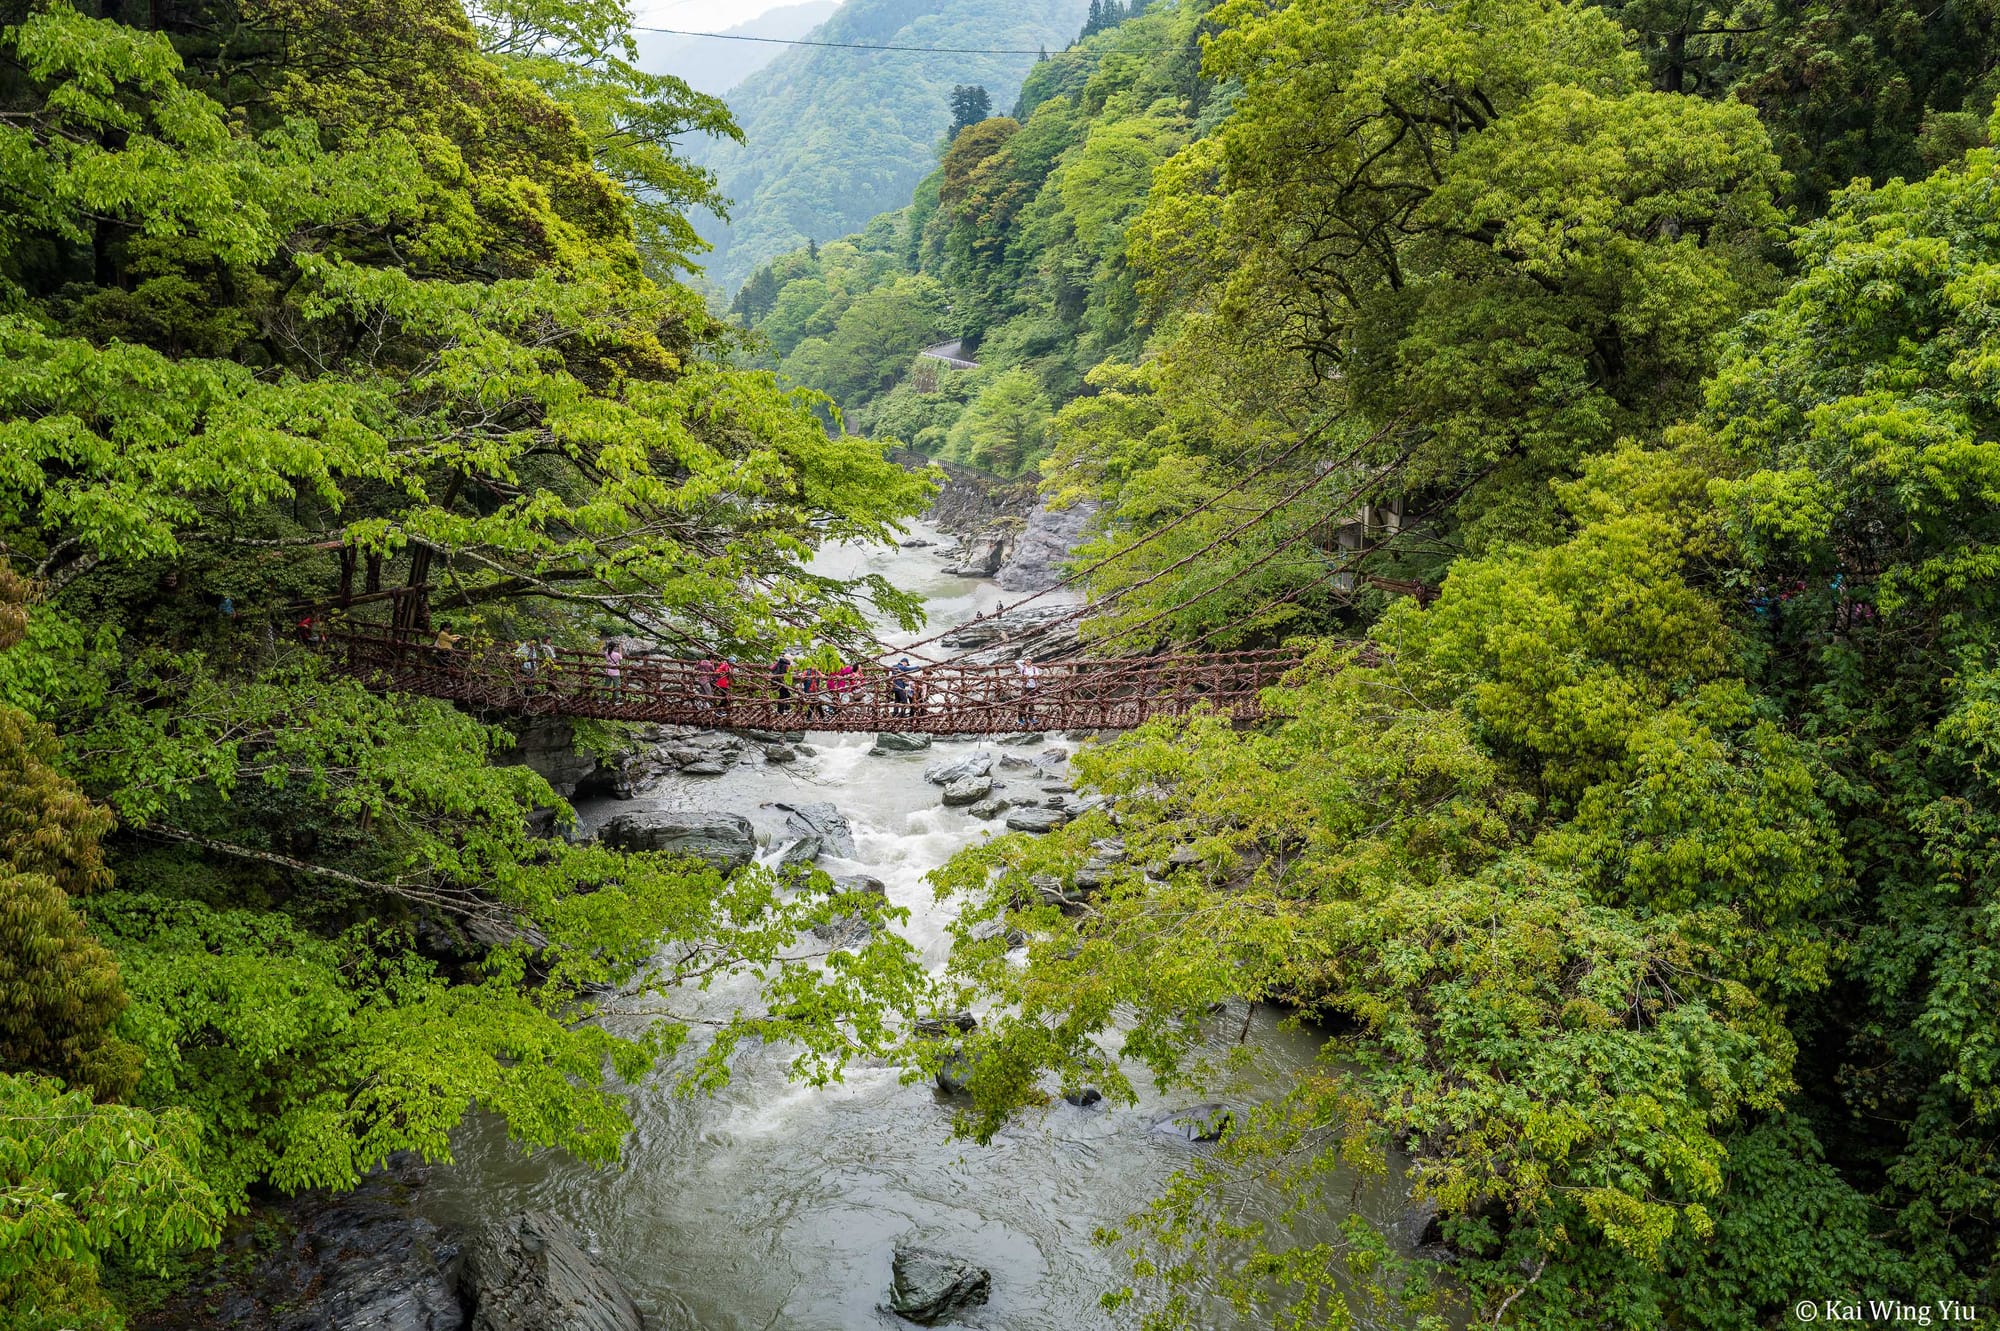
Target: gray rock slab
{"points": [[725, 840], [530, 1273]]}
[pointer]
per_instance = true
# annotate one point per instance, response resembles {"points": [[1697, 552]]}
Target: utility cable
{"points": [[920, 50]]}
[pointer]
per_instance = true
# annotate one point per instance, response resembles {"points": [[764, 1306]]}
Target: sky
{"points": [[699, 15]]}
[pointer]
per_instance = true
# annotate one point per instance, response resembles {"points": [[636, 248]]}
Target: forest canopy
{"points": [[292, 292], [1597, 397]]}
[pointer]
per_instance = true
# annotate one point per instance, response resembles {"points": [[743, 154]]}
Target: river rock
{"points": [[988, 809], [797, 851], [765, 736], [860, 882], [1202, 1123], [821, 819], [1068, 900], [959, 1022], [358, 1262], [1017, 738], [1084, 1098], [987, 930], [969, 790], [844, 931], [954, 1075], [548, 746], [724, 840], [1036, 820], [894, 741], [529, 1273], [780, 753], [1013, 762], [929, 1286], [979, 559], [1106, 854], [947, 770]]}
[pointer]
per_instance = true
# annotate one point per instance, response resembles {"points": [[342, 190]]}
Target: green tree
{"points": [[969, 105], [1004, 427], [341, 283], [1554, 878]]}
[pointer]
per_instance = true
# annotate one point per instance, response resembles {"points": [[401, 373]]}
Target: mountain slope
{"points": [[715, 66], [835, 136]]}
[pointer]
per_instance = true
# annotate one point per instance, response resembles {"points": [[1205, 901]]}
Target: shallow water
{"points": [[771, 1205]]}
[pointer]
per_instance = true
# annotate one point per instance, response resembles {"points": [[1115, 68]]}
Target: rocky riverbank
{"points": [[364, 1261]]}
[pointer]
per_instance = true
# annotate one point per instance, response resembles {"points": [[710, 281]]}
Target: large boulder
{"points": [[794, 851], [724, 840], [988, 809], [893, 741], [947, 770], [1036, 820], [821, 819], [844, 931], [357, 1261], [1202, 1123], [548, 746], [1106, 854], [929, 1286], [529, 1273], [968, 790]]}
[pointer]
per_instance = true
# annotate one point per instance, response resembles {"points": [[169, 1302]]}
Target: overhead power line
{"points": [[922, 50]]}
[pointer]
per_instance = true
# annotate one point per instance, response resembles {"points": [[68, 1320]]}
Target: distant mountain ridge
{"points": [[836, 136], [715, 65]]}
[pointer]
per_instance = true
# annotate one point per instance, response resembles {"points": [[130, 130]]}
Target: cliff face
{"points": [[1043, 545], [973, 505]]}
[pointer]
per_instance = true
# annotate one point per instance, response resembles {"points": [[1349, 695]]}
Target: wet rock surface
{"points": [[947, 770], [988, 809], [929, 1287], [530, 1273], [968, 790], [724, 840], [356, 1262], [960, 1022], [1036, 820], [823, 820], [891, 741], [1201, 1123]]}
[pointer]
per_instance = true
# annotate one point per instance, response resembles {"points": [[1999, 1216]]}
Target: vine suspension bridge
{"points": [[960, 695], [939, 698]]}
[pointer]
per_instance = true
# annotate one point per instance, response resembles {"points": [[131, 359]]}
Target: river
{"points": [[771, 1205]]}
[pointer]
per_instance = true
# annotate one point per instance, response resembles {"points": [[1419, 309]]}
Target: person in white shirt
{"points": [[1031, 679]]}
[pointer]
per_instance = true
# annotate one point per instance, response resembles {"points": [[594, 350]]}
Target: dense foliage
{"points": [[835, 135], [287, 287], [1638, 866], [1632, 477]]}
